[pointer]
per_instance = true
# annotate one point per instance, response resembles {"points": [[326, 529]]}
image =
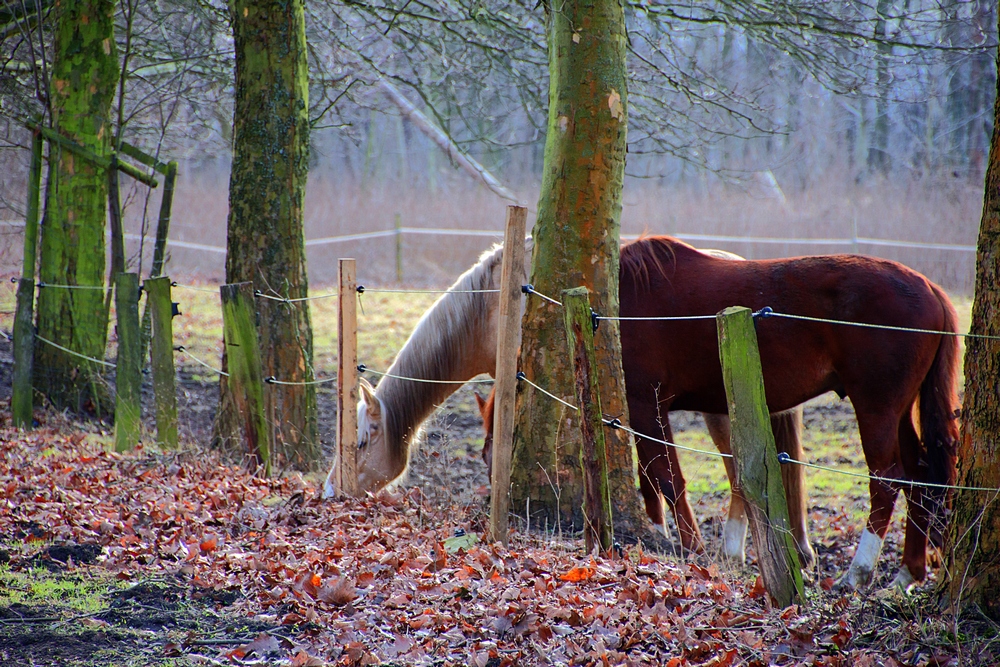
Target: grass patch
{"points": [[39, 587]]}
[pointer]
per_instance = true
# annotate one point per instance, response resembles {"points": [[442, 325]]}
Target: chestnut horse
{"points": [[455, 340], [886, 373]]}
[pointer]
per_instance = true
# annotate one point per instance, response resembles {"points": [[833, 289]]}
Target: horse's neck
{"points": [[455, 340]]}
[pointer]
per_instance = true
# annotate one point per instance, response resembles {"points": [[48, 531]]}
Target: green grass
{"points": [[38, 587]]}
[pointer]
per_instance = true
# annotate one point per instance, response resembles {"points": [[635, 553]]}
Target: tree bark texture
{"points": [[84, 75], [576, 237], [265, 233], [973, 555]]}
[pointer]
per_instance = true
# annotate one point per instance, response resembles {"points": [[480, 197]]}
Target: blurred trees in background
{"points": [[800, 88], [803, 94]]}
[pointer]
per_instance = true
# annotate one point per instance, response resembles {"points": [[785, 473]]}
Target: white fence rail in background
{"points": [[498, 234], [706, 238]]}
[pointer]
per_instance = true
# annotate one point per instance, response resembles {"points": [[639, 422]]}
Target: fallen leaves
{"points": [[386, 578]]}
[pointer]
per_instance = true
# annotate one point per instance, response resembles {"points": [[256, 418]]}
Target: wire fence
{"points": [[529, 289], [783, 458]]}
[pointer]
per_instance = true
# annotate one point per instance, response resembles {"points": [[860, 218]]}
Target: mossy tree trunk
{"points": [[974, 550], [84, 75], [265, 234], [576, 244]]}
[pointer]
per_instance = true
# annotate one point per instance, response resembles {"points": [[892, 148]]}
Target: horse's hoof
{"points": [[903, 581], [853, 579]]}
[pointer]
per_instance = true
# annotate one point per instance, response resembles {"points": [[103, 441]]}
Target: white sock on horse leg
{"points": [[734, 536], [329, 491], [864, 561]]}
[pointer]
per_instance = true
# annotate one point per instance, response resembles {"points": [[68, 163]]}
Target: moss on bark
{"points": [[266, 197], [84, 76], [576, 243]]}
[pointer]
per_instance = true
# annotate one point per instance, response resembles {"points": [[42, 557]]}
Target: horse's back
{"points": [[662, 277]]}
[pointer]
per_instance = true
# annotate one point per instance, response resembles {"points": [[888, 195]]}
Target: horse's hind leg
{"points": [[917, 515], [787, 428], [878, 439]]}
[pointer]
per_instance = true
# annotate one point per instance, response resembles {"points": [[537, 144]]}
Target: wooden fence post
{"points": [[758, 473], [160, 243], [24, 328], [347, 380], [597, 529], [508, 341], [246, 381], [128, 369], [161, 356]]}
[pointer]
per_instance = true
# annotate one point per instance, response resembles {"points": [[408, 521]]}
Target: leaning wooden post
{"points": [[160, 243], [758, 473], [128, 369], [24, 330], [508, 340], [577, 316], [246, 381], [161, 356], [347, 380]]}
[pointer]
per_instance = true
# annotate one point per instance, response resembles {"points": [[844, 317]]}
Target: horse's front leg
{"points": [[918, 516], [787, 428], [734, 533], [664, 468], [650, 493]]}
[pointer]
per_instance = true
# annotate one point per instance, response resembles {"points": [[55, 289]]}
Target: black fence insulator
{"points": [[614, 423], [527, 289], [360, 289], [766, 311], [521, 375], [257, 292], [14, 279], [783, 457], [362, 368], [178, 348], [175, 309], [270, 379], [595, 321], [173, 283]]}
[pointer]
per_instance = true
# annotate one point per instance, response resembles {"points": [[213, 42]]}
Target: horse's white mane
{"points": [[454, 340]]}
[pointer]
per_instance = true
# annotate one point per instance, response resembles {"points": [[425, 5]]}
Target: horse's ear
{"points": [[368, 396], [481, 401]]}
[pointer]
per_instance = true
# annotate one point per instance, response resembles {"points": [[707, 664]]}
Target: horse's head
{"points": [[376, 467], [486, 410]]}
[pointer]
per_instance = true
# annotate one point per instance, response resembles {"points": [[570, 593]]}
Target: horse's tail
{"points": [[939, 401]]}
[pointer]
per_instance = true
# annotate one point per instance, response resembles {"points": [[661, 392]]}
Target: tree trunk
{"points": [[974, 553], [84, 75], [576, 244], [265, 233]]}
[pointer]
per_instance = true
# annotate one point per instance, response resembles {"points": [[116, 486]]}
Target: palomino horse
{"points": [[455, 340], [886, 373]]}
